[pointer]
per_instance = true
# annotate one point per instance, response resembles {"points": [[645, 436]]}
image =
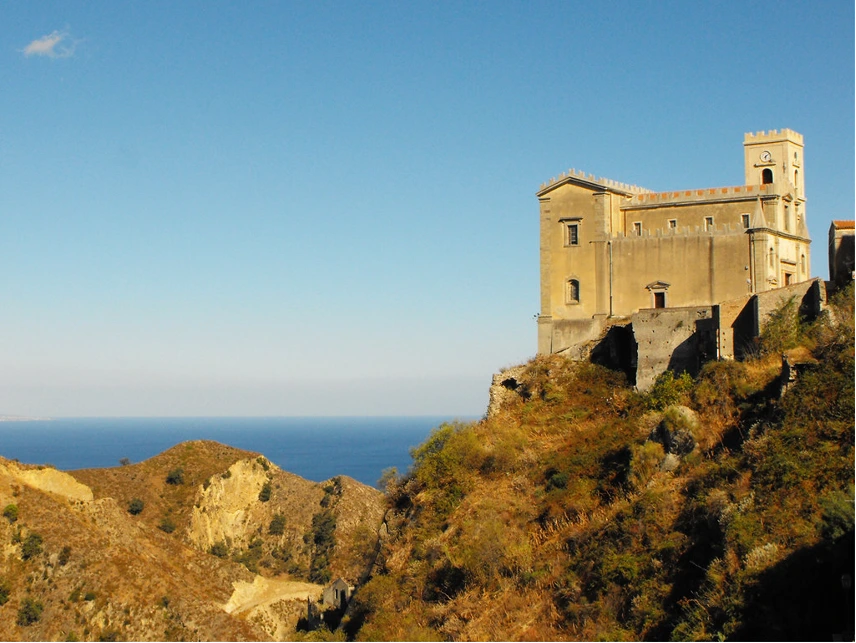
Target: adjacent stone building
{"points": [[610, 250], [841, 235]]}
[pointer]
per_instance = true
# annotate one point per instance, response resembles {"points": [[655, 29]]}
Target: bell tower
{"points": [[775, 157]]}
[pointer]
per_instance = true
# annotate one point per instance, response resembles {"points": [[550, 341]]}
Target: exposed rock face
{"points": [[504, 386], [229, 509], [48, 479], [675, 431]]}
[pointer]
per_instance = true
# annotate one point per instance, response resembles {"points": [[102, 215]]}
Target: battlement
{"points": [[590, 178], [707, 194], [773, 135]]}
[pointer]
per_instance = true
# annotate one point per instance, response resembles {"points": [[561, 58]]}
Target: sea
{"points": [[315, 448]]}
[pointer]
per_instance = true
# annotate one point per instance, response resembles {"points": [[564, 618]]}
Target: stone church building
{"points": [[610, 250]]}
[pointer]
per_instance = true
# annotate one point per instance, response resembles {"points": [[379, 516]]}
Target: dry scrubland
{"points": [[202, 542], [562, 516], [709, 508]]}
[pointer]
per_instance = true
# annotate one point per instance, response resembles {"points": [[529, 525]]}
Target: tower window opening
{"points": [[744, 219], [572, 291], [766, 176]]}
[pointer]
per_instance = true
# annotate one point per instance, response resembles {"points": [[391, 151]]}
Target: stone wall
{"points": [[674, 339]]}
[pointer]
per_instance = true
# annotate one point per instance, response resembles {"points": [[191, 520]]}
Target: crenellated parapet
{"points": [[773, 135], [707, 194], [590, 179]]}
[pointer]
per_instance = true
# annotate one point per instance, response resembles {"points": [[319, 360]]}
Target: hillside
{"points": [[714, 508], [202, 542]]}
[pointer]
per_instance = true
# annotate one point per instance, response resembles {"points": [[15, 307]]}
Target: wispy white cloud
{"points": [[57, 44]]}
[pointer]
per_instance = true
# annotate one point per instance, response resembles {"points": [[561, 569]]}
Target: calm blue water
{"points": [[315, 448]]}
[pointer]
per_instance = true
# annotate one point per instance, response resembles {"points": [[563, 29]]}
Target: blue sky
{"points": [[327, 208]]}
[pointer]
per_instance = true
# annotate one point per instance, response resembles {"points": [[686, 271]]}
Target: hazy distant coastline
{"points": [[21, 418]]}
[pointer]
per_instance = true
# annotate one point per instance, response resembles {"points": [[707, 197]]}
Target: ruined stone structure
{"points": [[611, 250], [673, 278], [841, 235]]}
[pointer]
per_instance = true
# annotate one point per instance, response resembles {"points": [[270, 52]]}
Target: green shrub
{"points": [[783, 329], [89, 596], [135, 506], [277, 525], [668, 390], [264, 494], [5, 590], [838, 515], [167, 525], [220, 549], [32, 546], [30, 612], [175, 477], [64, 555], [124, 461], [10, 513]]}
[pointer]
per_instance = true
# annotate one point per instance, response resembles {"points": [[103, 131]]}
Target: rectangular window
{"points": [[637, 228], [708, 224], [787, 219], [744, 218], [673, 224], [573, 235], [572, 291]]}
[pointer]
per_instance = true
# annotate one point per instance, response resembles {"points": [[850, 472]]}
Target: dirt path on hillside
{"points": [[263, 591]]}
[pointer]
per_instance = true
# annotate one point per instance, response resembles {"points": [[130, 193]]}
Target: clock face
{"points": [[766, 156]]}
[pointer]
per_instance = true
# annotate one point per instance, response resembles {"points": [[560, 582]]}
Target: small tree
{"points": [[175, 477], [10, 513], [277, 525], [30, 612], [264, 494], [135, 506], [32, 546], [124, 461], [220, 549], [64, 555]]}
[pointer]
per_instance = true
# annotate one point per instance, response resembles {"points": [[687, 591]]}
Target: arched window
{"points": [[572, 291], [766, 176]]}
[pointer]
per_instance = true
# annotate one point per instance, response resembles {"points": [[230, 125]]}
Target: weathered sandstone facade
{"points": [[609, 250]]}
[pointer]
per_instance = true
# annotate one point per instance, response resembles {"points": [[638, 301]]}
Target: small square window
{"points": [[673, 224], [637, 228], [708, 224], [744, 218]]}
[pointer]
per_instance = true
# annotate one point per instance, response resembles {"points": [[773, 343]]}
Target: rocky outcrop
{"points": [[47, 479], [229, 509]]}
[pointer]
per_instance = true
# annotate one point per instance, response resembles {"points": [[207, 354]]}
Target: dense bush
{"points": [[64, 555], [277, 525], [264, 494], [219, 549], [10, 512], [5, 591], [175, 476], [167, 525], [32, 546], [136, 506], [30, 612]]}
